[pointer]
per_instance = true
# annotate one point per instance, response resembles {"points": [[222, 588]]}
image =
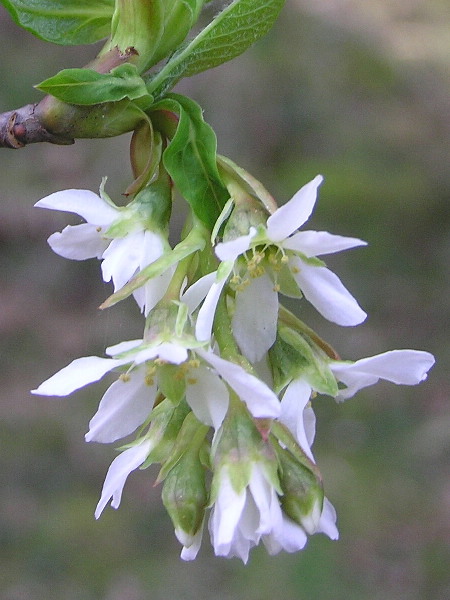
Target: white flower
{"points": [[269, 249], [128, 402], [116, 235], [291, 537], [117, 474], [403, 367], [239, 519]]}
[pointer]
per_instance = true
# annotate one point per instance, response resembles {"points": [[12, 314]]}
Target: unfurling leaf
{"points": [[87, 87], [234, 29], [65, 22]]}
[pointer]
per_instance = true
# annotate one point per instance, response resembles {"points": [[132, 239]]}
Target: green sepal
{"points": [[166, 420], [191, 436], [190, 159], [64, 22], [232, 171], [295, 355], [233, 30], [87, 87]]}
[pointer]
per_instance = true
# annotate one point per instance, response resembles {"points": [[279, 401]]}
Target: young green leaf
{"points": [[234, 29], [191, 161], [87, 87], [65, 22]]}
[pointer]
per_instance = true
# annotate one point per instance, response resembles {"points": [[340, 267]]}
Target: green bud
{"points": [[239, 445], [302, 498], [184, 493], [295, 355]]}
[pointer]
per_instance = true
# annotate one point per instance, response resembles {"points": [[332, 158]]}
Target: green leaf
{"points": [[236, 28], [87, 87], [190, 159], [65, 22]]}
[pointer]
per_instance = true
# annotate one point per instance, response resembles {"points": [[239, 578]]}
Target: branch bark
{"points": [[23, 126]]}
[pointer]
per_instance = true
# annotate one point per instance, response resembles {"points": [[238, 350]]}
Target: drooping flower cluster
{"points": [[224, 377]]}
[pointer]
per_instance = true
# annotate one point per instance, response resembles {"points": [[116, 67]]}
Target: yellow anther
{"points": [[149, 380], [191, 380], [124, 377]]}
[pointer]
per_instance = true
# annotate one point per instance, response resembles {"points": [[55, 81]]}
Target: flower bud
{"points": [[184, 493], [302, 498], [295, 355]]}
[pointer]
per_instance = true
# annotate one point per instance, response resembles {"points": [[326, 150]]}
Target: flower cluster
{"points": [[224, 379]]}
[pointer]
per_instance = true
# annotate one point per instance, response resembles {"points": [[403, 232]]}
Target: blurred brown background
{"points": [[358, 91]]}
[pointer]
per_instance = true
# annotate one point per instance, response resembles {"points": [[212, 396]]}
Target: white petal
{"points": [[123, 347], [327, 294], [225, 515], [198, 291], [266, 500], [289, 537], [206, 314], [327, 522], [151, 246], [124, 406], [255, 318], [117, 474], [191, 544], [82, 202], [208, 397], [294, 213], [259, 398], [78, 242], [173, 353], [77, 374], [403, 367], [316, 243], [148, 296], [122, 258], [293, 404], [232, 249]]}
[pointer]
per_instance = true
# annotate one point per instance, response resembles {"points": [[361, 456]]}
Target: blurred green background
{"points": [[358, 91]]}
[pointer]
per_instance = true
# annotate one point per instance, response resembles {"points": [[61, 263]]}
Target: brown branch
{"points": [[23, 126], [59, 123]]}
